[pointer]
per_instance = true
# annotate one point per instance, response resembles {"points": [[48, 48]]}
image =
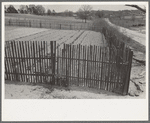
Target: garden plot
{"points": [[93, 38], [60, 36], [19, 33]]}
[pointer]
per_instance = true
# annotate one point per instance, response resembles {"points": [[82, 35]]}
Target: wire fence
{"points": [[49, 24]]}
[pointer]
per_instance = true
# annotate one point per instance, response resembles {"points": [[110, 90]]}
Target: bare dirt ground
{"points": [[82, 37], [20, 90], [14, 32]]}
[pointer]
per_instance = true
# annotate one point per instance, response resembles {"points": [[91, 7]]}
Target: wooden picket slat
{"points": [[7, 60], [99, 67], [10, 60], [78, 63], [66, 60], [87, 75], [83, 65], [70, 57]]}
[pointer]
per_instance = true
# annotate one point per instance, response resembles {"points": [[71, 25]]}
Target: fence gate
{"points": [[88, 66]]}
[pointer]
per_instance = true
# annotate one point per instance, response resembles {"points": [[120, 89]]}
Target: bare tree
{"points": [[22, 8], [48, 12], [84, 12], [99, 14], [53, 12], [40, 9], [136, 6]]}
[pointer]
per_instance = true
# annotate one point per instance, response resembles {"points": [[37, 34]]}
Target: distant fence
{"points": [[49, 24], [87, 66]]}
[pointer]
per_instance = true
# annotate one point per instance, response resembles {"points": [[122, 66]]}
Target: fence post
{"points": [[24, 22], [87, 73], [127, 80], [79, 64], [60, 26], [70, 26], [50, 25], [66, 56], [40, 25], [30, 23], [52, 64], [54, 61], [9, 22]]}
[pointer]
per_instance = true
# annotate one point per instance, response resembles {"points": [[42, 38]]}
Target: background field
{"points": [[138, 22], [57, 19]]}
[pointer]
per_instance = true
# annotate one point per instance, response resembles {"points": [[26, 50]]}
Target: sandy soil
{"points": [[20, 90], [141, 29]]}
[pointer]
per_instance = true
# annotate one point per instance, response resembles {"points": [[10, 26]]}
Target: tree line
{"points": [[29, 9], [85, 12]]}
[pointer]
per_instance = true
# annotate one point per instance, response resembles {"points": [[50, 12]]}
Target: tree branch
{"points": [[136, 6]]}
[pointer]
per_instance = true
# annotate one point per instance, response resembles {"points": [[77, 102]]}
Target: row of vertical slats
{"points": [[88, 66]]}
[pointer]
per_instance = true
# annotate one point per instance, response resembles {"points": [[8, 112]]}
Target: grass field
{"points": [[57, 19], [128, 22]]}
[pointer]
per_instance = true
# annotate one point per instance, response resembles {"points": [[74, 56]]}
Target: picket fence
{"points": [[88, 66]]}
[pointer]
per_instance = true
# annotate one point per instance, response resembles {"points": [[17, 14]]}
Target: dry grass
{"points": [[56, 19], [127, 22], [127, 40]]}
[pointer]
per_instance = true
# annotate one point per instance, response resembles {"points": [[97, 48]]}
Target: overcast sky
{"points": [[74, 8]]}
